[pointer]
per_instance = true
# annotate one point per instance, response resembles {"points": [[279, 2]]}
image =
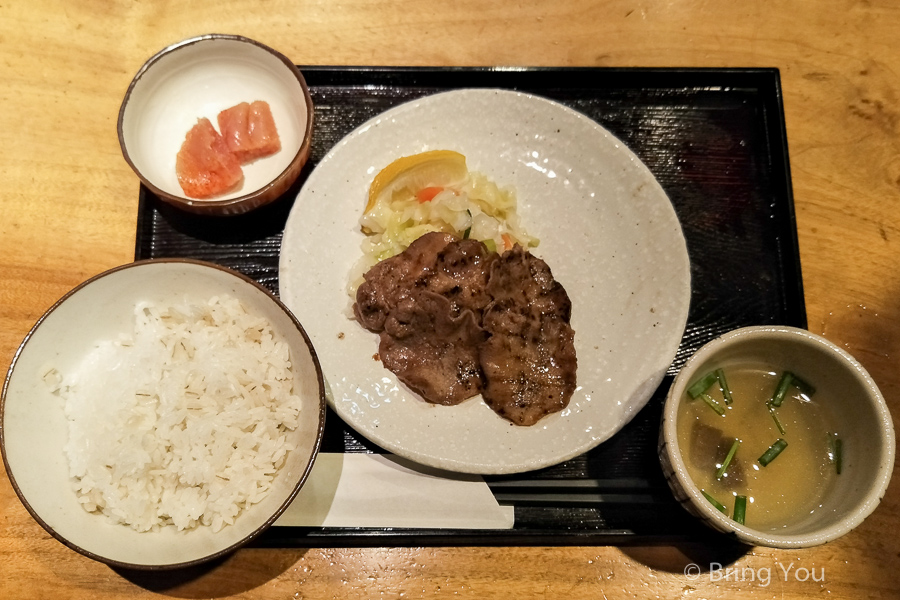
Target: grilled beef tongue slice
{"points": [[529, 359], [389, 281], [439, 262], [431, 350]]}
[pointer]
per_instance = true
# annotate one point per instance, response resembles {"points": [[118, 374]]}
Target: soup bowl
{"points": [[854, 402]]}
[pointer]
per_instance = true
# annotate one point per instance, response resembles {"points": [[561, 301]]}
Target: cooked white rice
{"points": [[182, 423]]}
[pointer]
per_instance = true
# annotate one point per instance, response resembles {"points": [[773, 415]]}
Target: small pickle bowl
{"points": [[864, 462], [80, 337], [199, 77]]}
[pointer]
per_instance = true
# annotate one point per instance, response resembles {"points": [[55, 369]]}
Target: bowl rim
{"points": [[213, 205], [317, 444], [724, 523]]}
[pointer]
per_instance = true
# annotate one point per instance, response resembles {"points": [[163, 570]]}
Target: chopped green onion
{"points": [[491, 245], [838, 455], [727, 460], [740, 509], [713, 404], [781, 390], [723, 383], [776, 419], [714, 502], [788, 379], [466, 233], [702, 384], [773, 451]]}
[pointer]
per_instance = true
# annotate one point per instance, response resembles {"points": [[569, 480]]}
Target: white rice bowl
{"points": [[70, 346]]}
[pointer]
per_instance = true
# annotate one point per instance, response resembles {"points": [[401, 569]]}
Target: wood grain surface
{"points": [[68, 205]]}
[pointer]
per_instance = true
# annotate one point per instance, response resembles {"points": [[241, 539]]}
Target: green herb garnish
{"points": [[787, 380], [776, 419], [713, 404], [781, 390], [727, 460], [723, 383], [714, 502], [740, 509], [773, 451], [702, 384]]}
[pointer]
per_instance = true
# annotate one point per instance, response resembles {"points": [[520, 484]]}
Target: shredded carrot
{"points": [[428, 194], [507, 242]]}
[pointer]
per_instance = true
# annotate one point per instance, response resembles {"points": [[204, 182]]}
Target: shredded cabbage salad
{"points": [[477, 208]]}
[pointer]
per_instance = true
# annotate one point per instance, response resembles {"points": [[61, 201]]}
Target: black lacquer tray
{"points": [[714, 138]]}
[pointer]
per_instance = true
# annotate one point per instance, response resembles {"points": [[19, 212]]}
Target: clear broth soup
{"points": [[791, 485]]}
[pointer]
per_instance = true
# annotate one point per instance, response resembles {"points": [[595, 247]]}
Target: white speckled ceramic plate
{"points": [[607, 230]]}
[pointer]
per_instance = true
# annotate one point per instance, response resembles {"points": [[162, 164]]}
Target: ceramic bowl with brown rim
{"points": [[198, 78], [820, 497], [83, 340]]}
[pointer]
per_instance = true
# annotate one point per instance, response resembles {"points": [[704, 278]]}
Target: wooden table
{"points": [[68, 204]]}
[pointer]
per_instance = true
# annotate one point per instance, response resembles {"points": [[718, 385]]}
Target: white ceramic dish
{"points": [[199, 77], [606, 228], [33, 426], [859, 410]]}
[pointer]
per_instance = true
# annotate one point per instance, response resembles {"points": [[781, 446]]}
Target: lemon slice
{"points": [[436, 168]]}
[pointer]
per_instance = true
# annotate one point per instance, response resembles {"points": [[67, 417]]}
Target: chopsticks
{"points": [[577, 492]]}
